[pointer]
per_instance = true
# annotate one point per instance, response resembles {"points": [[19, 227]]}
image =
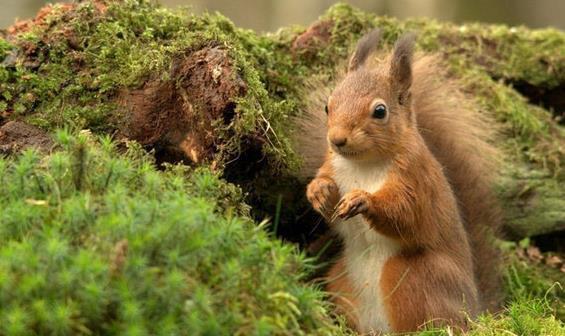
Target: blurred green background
{"points": [[268, 15]]}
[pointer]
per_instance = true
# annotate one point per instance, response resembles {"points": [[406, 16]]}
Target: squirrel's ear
{"points": [[401, 66], [365, 47]]}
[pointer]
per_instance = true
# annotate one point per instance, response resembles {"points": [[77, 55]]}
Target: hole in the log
{"points": [[282, 199], [168, 154], [551, 242], [249, 162], [551, 99], [180, 116], [229, 113], [278, 196]]}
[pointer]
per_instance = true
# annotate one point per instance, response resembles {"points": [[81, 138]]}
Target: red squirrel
{"points": [[404, 185]]}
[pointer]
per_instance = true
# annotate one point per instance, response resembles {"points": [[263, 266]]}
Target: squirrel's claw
{"points": [[336, 213], [322, 193], [353, 203]]}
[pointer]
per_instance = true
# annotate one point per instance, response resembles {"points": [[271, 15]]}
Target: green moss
{"points": [[516, 53], [95, 242], [521, 317], [526, 281], [533, 202], [524, 120], [5, 47]]}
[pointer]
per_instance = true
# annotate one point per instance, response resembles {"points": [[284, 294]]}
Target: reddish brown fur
{"points": [[432, 275], [436, 201], [457, 134]]}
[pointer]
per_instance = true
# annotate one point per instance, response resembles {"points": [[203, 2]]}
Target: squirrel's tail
{"points": [[459, 136]]}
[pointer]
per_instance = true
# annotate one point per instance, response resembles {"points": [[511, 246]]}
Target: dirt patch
{"points": [[16, 136], [182, 114], [40, 20], [315, 38], [53, 24]]}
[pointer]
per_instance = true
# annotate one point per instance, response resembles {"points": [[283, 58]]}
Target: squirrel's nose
{"points": [[339, 141]]}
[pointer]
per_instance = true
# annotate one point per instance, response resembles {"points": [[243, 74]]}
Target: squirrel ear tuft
{"points": [[365, 47], [401, 65]]}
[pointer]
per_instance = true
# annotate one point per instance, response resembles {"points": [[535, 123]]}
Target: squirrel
{"points": [[405, 181]]}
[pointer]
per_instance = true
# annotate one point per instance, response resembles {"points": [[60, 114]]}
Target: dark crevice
{"points": [[229, 113], [248, 163], [275, 195], [167, 154], [279, 196], [551, 242], [552, 99]]}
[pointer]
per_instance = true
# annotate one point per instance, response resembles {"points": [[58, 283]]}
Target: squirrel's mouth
{"points": [[349, 154]]}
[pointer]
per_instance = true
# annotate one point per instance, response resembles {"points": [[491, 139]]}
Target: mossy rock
{"points": [[200, 91]]}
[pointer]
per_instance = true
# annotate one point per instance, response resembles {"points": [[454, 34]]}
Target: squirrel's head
{"points": [[370, 110]]}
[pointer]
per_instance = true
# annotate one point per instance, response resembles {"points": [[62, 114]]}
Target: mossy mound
{"points": [[99, 236], [95, 240]]}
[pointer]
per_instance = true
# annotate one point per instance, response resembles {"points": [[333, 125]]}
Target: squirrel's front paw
{"points": [[323, 194], [353, 203]]}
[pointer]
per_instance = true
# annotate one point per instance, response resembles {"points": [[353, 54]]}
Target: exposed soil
{"points": [[180, 116], [315, 38], [22, 26], [16, 136]]}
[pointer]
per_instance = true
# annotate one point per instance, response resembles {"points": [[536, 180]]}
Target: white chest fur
{"points": [[365, 250]]}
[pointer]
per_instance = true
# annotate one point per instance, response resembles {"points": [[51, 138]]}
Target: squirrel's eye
{"points": [[327, 109], [379, 112]]}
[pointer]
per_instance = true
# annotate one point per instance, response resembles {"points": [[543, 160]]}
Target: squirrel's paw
{"points": [[353, 203], [323, 194]]}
